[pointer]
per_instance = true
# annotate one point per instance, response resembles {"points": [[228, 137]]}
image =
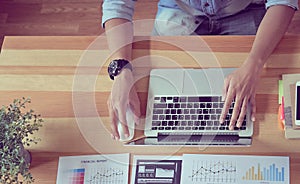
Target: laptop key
{"points": [[170, 105], [205, 111], [171, 123], [176, 99], [169, 98], [157, 98], [215, 128], [182, 99], [163, 99], [156, 123], [158, 111], [209, 123], [194, 117], [167, 111], [164, 123], [236, 128], [161, 117], [192, 111], [186, 111], [200, 117], [206, 117], [189, 105], [155, 117], [160, 105]]}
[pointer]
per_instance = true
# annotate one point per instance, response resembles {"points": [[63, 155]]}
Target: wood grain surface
{"points": [[72, 17], [66, 78]]}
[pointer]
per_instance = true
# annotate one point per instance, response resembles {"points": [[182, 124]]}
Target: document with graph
{"points": [[230, 169], [156, 169], [91, 169]]}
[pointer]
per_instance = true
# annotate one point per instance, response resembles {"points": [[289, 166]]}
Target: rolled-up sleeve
{"points": [[291, 3], [117, 9]]}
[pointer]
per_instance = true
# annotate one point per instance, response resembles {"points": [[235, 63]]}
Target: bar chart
{"points": [[267, 173], [76, 176]]}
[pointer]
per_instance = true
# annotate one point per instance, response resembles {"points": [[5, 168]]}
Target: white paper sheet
{"points": [[93, 169], [234, 169]]}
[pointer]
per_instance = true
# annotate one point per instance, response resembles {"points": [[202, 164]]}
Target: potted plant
{"points": [[16, 126]]}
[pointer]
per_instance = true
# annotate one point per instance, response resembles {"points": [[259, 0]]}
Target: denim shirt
{"points": [[182, 17]]}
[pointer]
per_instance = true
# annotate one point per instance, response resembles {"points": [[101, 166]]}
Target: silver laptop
{"points": [[184, 106]]}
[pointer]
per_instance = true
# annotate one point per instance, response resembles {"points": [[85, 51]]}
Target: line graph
{"points": [[105, 175], [213, 171]]}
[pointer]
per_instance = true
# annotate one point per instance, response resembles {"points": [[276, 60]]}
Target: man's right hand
{"points": [[123, 95]]}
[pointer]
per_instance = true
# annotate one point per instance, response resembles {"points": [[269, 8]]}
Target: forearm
{"points": [[119, 33], [269, 34]]}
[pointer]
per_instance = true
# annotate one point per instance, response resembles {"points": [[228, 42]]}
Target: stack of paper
{"points": [[287, 86]]}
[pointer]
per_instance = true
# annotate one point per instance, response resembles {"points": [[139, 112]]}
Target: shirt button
{"points": [[206, 4]]}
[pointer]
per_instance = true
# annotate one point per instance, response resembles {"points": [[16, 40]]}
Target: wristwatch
{"points": [[115, 67]]}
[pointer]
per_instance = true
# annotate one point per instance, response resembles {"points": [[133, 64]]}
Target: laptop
{"points": [[184, 106]]}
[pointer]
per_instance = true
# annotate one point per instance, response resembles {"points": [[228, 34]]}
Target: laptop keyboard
{"points": [[190, 114]]}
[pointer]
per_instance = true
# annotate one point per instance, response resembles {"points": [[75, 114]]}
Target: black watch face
{"points": [[113, 68], [116, 66]]}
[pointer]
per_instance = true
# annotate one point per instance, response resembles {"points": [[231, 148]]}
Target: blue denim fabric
{"points": [[245, 22], [171, 19]]}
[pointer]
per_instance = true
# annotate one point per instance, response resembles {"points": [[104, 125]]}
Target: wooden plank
{"points": [[3, 18], [74, 7], [55, 18], [289, 44], [40, 28]]}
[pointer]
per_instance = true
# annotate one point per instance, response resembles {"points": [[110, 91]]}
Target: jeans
{"points": [[245, 22]]}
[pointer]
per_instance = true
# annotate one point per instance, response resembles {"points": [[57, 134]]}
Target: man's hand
{"points": [[123, 95], [240, 86]]}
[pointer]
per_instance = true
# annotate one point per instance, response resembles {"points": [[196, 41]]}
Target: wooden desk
{"points": [[67, 81]]}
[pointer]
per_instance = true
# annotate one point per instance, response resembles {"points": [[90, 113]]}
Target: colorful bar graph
{"points": [[76, 176], [271, 173]]}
